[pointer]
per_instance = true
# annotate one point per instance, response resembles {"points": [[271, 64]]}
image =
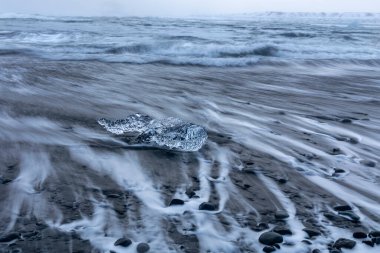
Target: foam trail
{"points": [[294, 224], [26, 195], [346, 194]]}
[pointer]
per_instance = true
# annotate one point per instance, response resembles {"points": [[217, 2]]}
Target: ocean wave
{"points": [[228, 42], [266, 50], [292, 15], [134, 49], [297, 35], [18, 52], [44, 18], [53, 37], [189, 49]]}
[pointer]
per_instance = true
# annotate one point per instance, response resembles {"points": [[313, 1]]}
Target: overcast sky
{"points": [[180, 7]]}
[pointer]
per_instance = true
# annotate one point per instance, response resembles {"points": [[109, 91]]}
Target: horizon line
{"points": [[182, 16]]}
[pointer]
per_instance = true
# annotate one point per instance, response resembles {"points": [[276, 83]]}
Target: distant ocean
{"points": [[214, 41]]}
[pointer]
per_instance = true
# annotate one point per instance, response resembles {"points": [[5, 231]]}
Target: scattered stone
{"points": [[336, 151], [124, 242], [350, 214], [339, 171], [41, 225], [190, 193], [277, 246], [344, 243], [368, 163], [353, 140], [282, 230], [282, 181], [176, 202], [335, 251], [207, 206], [261, 226], [142, 247], [315, 251], [374, 234], [113, 195], [5, 180], [307, 242], [346, 121], [270, 238], [246, 186], [359, 235], [268, 249], [281, 215], [10, 237], [376, 240], [30, 234], [311, 232], [334, 217], [342, 208], [368, 242]]}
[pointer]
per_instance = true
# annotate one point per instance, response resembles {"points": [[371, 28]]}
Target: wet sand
{"points": [[287, 146]]}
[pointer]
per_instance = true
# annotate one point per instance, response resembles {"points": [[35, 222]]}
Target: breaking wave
{"points": [[246, 40]]}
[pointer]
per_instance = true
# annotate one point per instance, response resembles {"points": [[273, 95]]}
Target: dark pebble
{"points": [[338, 171], [281, 215], [270, 238], [176, 202], [261, 226], [334, 217], [282, 181], [353, 140], [124, 242], [142, 247], [343, 208], [311, 232], [368, 163], [344, 243], [190, 193], [207, 206], [307, 242], [268, 249], [277, 246], [374, 234], [376, 240], [359, 235], [335, 251], [315, 251], [336, 151], [282, 230], [368, 242], [10, 237], [113, 196], [5, 180], [346, 121], [350, 214], [29, 234]]}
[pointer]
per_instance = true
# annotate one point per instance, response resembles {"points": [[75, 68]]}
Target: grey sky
{"points": [[181, 7]]}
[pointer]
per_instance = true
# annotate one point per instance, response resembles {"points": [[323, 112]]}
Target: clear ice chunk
{"points": [[171, 133]]}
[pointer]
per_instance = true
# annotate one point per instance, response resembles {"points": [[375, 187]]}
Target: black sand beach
{"points": [[293, 147]]}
